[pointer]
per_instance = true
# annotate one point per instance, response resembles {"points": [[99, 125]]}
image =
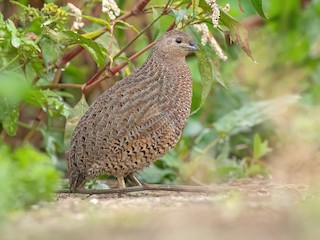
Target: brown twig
{"points": [[138, 8], [67, 57], [35, 124], [61, 85], [153, 187]]}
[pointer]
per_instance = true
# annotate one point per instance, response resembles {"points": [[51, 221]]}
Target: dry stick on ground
{"points": [[154, 187]]}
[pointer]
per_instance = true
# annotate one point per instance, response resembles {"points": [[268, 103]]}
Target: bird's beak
{"points": [[193, 46]]}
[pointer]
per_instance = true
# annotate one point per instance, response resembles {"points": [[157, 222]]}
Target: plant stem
{"points": [[61, 85], [34, 126], [88, 87], [135, 10]]}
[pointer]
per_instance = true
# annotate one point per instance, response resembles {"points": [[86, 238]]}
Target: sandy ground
{"points": [[257, 209]]}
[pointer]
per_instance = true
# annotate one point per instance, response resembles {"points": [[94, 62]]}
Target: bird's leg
{"points": [[134, 180], [121, 182]]}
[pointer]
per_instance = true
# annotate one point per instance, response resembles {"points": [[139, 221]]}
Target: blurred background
{"points": [[252, 114]]}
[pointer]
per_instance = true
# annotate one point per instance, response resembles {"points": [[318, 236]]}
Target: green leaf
{"points": [[129, 26], [238, 32], [96, 20], [248, 116], [69, 38], [28, 176], [51, 102], [15, 40], [257, 4], [153, 174], [9, 113], [195, 5], [179, 14], [31, 44], [259, 148], [51, 51], [205, 7], [13, 87], [55, 105], [205, 73]]}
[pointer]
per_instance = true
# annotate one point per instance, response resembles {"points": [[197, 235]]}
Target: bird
{"points": [[137, 120]]}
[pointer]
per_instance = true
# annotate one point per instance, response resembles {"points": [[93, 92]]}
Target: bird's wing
{"points": [[131, 109]]}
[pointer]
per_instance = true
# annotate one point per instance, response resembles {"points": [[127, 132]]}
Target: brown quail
{"points": [[139, 119]]}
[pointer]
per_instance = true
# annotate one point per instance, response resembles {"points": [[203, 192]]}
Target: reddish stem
{"points": [[87, 87]]}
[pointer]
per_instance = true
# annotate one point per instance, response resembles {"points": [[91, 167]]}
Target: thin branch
{"points": [[67, 57], [137, 36], [153, 187], [61, 85], [34, 126], [138, 8], [88, 87]]}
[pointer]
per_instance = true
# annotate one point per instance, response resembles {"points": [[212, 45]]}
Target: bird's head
{"points": [[174, 44]]}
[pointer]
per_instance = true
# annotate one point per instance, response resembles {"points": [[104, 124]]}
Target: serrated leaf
{"points": [[257, 4], [260, 148], [238, 32], [179, 14]]}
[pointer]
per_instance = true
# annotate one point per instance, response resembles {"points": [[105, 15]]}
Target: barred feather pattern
{"points": [[133, 123]]}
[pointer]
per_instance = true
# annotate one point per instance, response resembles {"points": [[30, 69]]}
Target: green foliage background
{"points": [[229, 133]]}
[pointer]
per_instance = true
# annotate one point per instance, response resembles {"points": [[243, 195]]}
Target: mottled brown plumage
{"points": [[139, 119]]}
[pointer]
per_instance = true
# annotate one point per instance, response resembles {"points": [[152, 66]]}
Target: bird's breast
{"points": [[177, 94]]}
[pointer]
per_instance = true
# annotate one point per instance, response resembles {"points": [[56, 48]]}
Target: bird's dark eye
{"points": [[179, 40]]}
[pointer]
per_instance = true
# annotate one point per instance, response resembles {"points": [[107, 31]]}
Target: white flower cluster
{"points": [[111, 8], [77, 24], [227, 8], [206, 37], [215, 12]]}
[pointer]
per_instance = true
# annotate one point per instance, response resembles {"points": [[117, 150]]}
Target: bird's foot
{"points": [[134, 180]]}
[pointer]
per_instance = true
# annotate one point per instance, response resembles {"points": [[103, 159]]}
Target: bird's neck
{"points": [[171, 59], [175, 87]]}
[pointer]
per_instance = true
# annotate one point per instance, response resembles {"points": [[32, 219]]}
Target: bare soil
{"points": [[242, 209]]}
